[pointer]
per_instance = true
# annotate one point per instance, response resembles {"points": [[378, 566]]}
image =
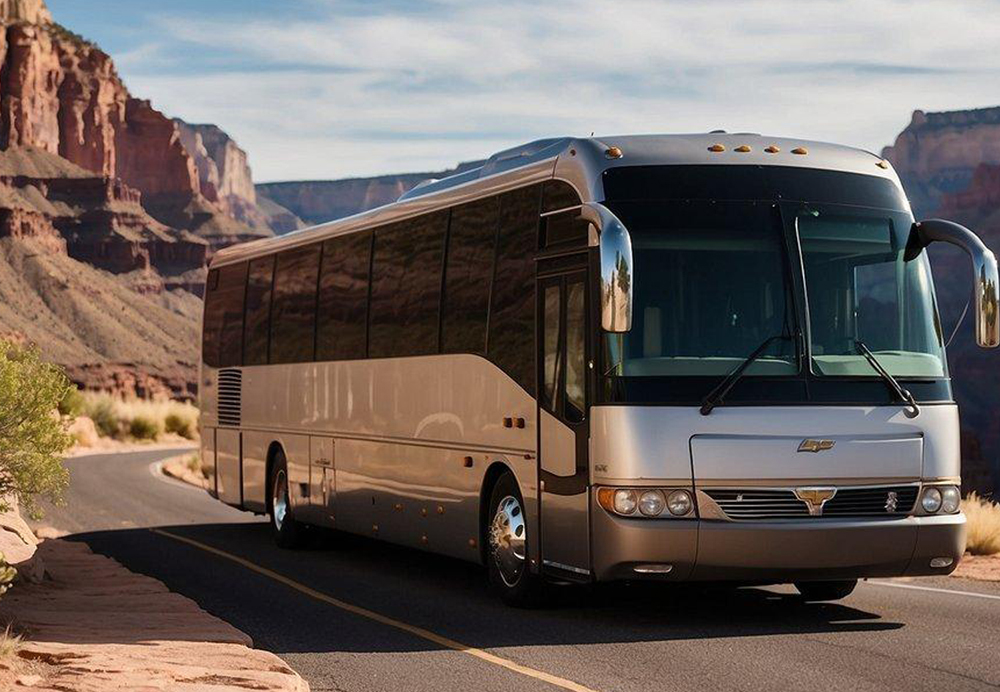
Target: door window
{"points": [[564, 347]]}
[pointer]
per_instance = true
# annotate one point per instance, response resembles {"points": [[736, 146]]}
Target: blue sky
{"points": [[318, 89]]}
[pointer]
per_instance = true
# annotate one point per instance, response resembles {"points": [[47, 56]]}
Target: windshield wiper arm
{"points": [[904, 394], [716, 396]]}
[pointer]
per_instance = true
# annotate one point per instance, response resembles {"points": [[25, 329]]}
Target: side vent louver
{"points": [[230, 396]]}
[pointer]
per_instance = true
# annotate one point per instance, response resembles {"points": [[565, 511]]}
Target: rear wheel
{"points": [[507, 546], [288, 533], [826, 590]]}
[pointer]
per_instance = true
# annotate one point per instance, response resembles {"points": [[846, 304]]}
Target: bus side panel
{"points": [[228, 474], [255, 446], [208, 458]]}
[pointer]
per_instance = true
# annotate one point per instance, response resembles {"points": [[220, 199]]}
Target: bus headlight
{"points": [[931, 500], [951, 499], [648, 503], [651, 503]]}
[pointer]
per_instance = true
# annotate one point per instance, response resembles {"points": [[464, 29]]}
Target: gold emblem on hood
{"points": [[810, 445]]}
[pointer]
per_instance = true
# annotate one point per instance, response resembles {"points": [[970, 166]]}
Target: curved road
{"points": [[354, 614]]}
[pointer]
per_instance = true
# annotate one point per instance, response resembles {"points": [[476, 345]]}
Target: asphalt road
{"points": [[355, 614]]}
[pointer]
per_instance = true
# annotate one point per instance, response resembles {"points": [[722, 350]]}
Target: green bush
{"points": [[73, 404], [179, 425], [142, 428], [102, 412], [32, 438], [7, 574]]}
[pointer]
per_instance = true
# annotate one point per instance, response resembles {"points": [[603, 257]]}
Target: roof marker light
{"points": [[801, 151], [743, 149], [716, 148], [613, 153], [882, 164], [772, 149]]}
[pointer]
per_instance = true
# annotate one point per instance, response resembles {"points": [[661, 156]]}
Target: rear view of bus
{"points": [[689, 357]]}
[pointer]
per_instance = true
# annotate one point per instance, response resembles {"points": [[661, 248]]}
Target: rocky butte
{"points": [[106, 203], [950, 166]]}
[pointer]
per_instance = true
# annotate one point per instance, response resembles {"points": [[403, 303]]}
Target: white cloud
{"points": [[362, 91]]}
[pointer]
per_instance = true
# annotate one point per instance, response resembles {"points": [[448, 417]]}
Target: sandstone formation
{"points": [[317, 201], [950, 166], [93, 625]]}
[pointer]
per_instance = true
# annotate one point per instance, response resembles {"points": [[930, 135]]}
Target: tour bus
{"points": [[710, 357]]}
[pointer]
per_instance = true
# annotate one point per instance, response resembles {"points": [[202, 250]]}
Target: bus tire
{"points": [[506, 534], [287, 532], [826, 590]]}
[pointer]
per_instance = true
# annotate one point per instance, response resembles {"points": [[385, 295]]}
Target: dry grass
{"points": [[983, 525], [9, 644], [140, 418], [193, 462]]}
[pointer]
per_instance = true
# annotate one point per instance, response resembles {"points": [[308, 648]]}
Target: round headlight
{"points": [[950, 499], [651, 503], [931, 501], [679, 503], [625, 501]]}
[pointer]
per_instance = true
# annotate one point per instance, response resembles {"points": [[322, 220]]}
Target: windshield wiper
{"points": [[904, 394], [717, 395]]}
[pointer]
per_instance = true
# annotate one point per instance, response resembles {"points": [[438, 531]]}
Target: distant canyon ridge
{"points": [[110, 210]]}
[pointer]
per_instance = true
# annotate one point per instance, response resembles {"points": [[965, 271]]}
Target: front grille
{"points": [[863, 502], [754, 503], [229, 402], [748, 504]]}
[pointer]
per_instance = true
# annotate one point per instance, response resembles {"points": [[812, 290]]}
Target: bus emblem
{"points": [[891, 500], [815, 498], [815, 446]]}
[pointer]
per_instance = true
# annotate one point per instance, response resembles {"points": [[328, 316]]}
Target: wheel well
{"points": [[272, 454], [493, 473]]}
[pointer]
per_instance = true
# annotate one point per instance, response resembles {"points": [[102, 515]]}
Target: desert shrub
{"points": [[101, 410], [32, 439], [179, 425], [73, 403], [7, 574], [982, 525], [143, 428]]}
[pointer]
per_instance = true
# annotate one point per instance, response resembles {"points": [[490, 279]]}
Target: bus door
{"points": [[563, 363]]}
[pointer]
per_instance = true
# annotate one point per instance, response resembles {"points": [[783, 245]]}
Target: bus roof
{"points": [[580, 162]]}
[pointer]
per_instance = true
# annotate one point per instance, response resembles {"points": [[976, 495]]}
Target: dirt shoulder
{"points": [[979, 567], [91, 626], [106, 445], [179, 468]]}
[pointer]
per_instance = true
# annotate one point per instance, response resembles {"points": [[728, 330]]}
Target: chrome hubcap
{"points": [[507, 540], [279, 500]]}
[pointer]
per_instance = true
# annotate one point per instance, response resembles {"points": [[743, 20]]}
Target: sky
{"points": [[321, 89]]}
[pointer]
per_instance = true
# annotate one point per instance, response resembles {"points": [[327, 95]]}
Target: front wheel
{"points": [[826, 590], [288, 533], [507, 547]]}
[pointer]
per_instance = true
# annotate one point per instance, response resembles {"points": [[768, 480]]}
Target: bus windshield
{"points": [[712, 283]]}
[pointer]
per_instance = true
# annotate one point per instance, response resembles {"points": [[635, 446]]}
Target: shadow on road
{"points": [[446, 596]]}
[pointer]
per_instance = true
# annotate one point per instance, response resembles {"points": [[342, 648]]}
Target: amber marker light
{"points": [[882, 164], [743, 149], [613, 153], [716, 148], [801, 151], [772, 149]]}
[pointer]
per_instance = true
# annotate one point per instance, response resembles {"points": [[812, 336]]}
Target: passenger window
{"points": [[222, 332], [468, 275], [558, 194], [576, 347], [406, 287], [293, 314], [342, 317], [512, 313], [551, 351], [565, 229], [257, 317]]}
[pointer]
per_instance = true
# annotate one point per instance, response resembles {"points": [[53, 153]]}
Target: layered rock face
{"points": [[950, 166]]}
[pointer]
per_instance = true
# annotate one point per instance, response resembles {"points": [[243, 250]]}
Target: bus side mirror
{"points": [[984, 269], [612, 239]]}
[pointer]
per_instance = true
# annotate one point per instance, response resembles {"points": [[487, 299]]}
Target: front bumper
{"points": [[772, 551]]}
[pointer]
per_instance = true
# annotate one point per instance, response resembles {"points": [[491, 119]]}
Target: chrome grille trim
{"points": [[756, 503], [229, 397]]}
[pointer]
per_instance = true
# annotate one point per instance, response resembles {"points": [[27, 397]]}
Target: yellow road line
{"points": [[391, 622]]}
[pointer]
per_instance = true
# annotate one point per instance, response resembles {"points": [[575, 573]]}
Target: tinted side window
{"points": [[257, 319], [222, 332], [566, 229], [512, 314], [293, 313], [557, 194], [406, 287], [468, 275], [343, 298]]}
